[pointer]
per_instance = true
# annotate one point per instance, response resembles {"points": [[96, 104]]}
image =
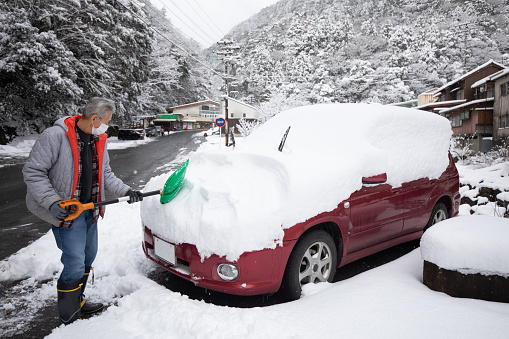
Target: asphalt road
{"points": [[135, 166]]}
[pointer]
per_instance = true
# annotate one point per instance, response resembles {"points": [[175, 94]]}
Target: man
{"points": [[70, 161]]}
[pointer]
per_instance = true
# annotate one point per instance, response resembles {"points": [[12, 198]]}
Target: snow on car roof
{"points": [[233, 201]]}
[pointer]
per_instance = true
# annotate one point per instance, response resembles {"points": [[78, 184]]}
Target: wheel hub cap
{"points": [[315, 264]]}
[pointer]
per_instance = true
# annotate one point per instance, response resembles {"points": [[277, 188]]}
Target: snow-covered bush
{"points": [[460, 147], [245, 127]]}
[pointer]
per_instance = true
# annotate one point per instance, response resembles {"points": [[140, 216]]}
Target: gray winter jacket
{"points": [[50, 170]]}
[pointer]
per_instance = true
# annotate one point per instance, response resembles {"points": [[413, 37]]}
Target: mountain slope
{"points": [[374, 50]]}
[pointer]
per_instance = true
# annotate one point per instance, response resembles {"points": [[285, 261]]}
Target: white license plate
{"points": [[165, 251]]}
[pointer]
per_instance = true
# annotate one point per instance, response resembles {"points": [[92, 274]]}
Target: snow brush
{"points": [[169, 191]]}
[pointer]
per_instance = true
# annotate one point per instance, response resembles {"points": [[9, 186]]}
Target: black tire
{"points": [[313, 259], [438, 214]]}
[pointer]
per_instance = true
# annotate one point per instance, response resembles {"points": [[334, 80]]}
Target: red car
{"points": [[373, 218]]}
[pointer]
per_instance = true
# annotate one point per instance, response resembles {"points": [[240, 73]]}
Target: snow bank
{"points": [[475, 244], [20, 146], [240, 200], [496, 176]]}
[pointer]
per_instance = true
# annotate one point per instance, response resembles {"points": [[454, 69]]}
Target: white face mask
{"points": [[99, 130]]}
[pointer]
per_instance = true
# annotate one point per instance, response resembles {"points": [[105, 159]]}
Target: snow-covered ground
{"points": [[20, 147], [386, 302]]}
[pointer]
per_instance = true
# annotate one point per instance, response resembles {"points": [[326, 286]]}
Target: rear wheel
{"points": [[313, 260], [438, 214]]}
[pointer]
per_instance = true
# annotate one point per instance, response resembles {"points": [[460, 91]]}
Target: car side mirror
{"points": [[376, 179]]}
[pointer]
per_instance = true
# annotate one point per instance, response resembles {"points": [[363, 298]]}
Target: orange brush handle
{"points": [[79, 207]]}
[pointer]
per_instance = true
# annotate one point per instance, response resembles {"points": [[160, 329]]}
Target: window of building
{"points": [[459, 95], [456, 121], [205, 107], [244, 115], [490, 93], [503, 90], [465, 115], [502, 121]]}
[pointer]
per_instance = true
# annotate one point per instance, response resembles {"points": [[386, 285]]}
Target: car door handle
{"points": [[396, 190]]}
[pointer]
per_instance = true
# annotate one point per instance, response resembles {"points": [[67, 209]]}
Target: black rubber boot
{"points": [[88, 307], [69, 301]]}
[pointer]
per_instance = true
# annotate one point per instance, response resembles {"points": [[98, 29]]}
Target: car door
{"points": [[417, 194], [376, 215]]}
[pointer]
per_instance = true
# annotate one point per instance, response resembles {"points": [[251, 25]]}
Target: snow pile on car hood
{"points": [[233, 201]]}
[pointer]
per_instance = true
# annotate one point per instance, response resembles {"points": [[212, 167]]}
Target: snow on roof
{"points": [[441, 103], [241, 102], [468, 74], [234, 201], [473, 102], [197, 103], [491, 77], [500, 74], [473, 244], [428, 92]]}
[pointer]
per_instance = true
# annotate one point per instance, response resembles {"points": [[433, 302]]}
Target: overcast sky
{"points": [[207, 21]]}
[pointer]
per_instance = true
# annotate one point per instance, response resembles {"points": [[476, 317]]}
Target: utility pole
{"points": [[227, 52]]}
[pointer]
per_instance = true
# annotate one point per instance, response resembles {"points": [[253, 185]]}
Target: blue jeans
{"points": [[78, 245]]}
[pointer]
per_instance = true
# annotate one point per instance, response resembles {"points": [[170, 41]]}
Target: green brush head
{"points": [[174, 183]]}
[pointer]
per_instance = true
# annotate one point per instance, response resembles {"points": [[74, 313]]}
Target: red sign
{"points": [[220, 122]]}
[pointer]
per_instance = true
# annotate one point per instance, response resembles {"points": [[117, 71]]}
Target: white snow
{"points": [[385, 302], [20, 147], [473, 244], [241, 200]]}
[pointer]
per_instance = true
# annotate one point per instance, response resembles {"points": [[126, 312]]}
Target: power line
{"points": [[185, 23], [207, 40], [190, 19], [221, 33], [166, 38], [161, 14]]}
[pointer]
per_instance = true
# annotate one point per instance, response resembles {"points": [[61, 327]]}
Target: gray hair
{"points": [[99, 106]]}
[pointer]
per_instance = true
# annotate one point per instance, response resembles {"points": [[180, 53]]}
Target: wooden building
{"points": [[468, 102]]}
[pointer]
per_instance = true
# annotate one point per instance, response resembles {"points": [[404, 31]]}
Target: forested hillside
{"points": [[372, 50], [56, 54]]}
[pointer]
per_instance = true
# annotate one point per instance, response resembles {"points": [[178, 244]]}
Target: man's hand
{"points": [[134, 196], [58, 212]]}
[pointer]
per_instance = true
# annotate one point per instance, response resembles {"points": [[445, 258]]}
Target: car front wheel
{"points": [[313, 260]]}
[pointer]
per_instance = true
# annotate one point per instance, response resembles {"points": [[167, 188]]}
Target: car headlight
{"points": [[227, 272]]}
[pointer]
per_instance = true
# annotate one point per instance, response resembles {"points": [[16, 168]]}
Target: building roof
{"points": [[473, 102], [240, 102], [196, 104], [441, 103], [468, 74], [491, 77]]}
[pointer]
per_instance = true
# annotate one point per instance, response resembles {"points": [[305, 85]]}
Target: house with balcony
{"points": [[196, 115], [468, 102]]}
